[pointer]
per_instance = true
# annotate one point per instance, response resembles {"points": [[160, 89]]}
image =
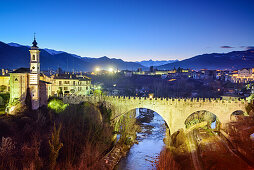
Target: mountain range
{"points": [[148, 63], [225, 61], [13, 56]]}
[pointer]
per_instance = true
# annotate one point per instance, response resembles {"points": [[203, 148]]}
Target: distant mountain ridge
{"points": [[148, 63], [231, 61], [13, 56]]}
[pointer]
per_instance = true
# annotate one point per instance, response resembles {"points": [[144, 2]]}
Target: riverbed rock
{"points": [[178, 138]]}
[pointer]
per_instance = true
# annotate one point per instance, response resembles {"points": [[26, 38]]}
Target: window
{"points": [[60, 82], [33, 57], [65, 88], [73, 83], [66, 82]]}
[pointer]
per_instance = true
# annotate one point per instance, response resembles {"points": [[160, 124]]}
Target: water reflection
{"points": [[143, 154]]}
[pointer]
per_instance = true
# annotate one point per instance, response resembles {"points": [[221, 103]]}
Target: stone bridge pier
{"points": [[173, 111]]}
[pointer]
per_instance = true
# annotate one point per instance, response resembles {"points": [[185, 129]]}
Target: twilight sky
{"points": [[132, 30]]}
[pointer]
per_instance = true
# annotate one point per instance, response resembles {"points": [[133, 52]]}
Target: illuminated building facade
{"points": [[243, 76], [68, 84], [4, 82], [25, 80]]}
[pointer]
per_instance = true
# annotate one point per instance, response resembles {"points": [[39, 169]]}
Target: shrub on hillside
{"points": [[57, 105]]}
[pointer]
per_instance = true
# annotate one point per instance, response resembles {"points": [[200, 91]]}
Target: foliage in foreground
{"points": [[29, 139]]}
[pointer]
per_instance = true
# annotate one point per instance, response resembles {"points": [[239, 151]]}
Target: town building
{"points": [[243, 76], [69, 84], [4, 82], [24, 80], [40, 86]]}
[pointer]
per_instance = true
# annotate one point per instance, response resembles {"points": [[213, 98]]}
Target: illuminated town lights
{"points": [[97, 69], [150, 95], [111, 70]]}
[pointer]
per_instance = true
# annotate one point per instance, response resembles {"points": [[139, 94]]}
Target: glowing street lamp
{"points": [[111, 70], [97, 69], [150, 95]]}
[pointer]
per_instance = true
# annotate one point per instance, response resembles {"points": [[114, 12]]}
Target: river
{"points": [[142, 155]]}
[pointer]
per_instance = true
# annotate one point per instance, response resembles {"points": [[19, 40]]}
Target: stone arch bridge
{"points": [[173, 111]]}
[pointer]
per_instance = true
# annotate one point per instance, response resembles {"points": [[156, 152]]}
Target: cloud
{"points": [[225, 46], [250, 47]]}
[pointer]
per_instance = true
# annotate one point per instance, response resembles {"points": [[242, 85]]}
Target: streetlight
{"points": [[150, 95], [97, 69], [111, 70]]}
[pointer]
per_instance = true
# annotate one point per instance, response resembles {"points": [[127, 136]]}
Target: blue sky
{"points": [[132, 30]]}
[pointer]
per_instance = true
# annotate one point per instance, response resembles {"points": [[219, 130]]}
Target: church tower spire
{"points": [[34, 76], [34, 42]]}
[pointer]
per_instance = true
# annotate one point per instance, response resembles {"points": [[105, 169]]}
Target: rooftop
{"points": [[72, 77], [22, 70]]}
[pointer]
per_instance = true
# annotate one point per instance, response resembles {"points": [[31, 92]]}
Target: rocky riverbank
{"points": [[201, 148], [109, 161]]}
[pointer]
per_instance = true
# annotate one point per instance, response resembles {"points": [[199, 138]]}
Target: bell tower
{"points": [[34, 76]]}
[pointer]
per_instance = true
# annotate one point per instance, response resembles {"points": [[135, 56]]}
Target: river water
{"points": [[142, 155]]}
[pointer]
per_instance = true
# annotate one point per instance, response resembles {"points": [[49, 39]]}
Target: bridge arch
{"points": [[125, 122], [152, 109], [236, 115], [202, 118]]}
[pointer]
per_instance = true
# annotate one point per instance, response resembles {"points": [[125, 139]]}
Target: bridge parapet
{"points": [[165, 101], [187, 104]]}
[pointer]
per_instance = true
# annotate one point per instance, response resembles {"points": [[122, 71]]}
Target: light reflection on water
{"points": [[141, 156]]}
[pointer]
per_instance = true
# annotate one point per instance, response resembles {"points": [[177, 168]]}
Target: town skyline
{"points": [[131, 30]]}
